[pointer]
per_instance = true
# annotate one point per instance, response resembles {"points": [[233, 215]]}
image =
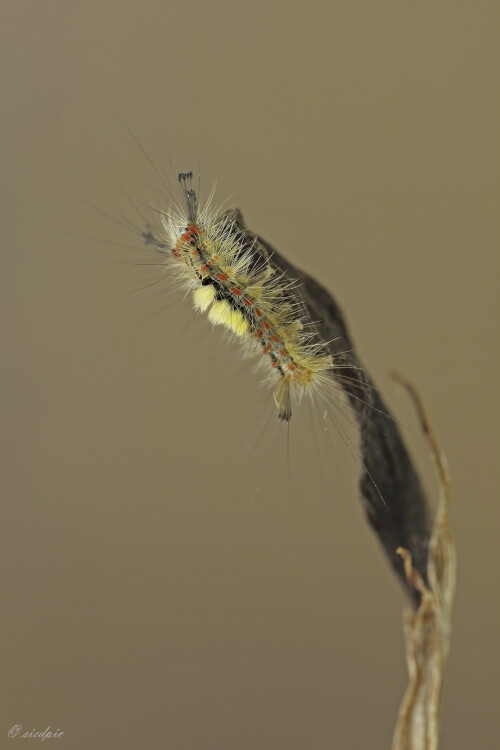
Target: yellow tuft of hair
{"points": [[203, 297], [221, 313], [239, 324]]}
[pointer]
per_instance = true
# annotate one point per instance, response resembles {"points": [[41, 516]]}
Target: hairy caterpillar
{"points": [[294, 328], [234, 281], [297, 330]]}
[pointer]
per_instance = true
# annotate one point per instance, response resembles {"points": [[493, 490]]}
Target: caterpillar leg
{"points": [[282, 398]]}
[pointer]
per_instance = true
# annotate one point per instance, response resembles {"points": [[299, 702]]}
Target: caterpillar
{"points": [[234, 281]]}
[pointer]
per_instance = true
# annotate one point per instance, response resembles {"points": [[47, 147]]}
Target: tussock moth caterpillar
{"points": [[297, 330], [234, 281], [293, 327]]}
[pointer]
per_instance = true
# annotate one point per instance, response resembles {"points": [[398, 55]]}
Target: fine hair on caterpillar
{"points": [[282, 318], [242, 285], [234, 281]]}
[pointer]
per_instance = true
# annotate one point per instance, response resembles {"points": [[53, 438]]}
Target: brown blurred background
{"points": [[150, 597]]}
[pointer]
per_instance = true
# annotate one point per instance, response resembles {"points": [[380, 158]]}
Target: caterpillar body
{"points": [[236, 284]]}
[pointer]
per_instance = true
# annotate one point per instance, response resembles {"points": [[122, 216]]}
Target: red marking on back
{"points": [[274, 364], [266, 325], [291, 366], [258, 313], [186, 237], [248, 301], [194, 229], [221, 277], [275, 338], [196, 251], [283, 352], [236, 291], [259, 333], [204, 268]]}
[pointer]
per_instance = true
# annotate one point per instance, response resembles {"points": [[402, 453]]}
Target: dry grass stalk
{"points": [[428, 630]]}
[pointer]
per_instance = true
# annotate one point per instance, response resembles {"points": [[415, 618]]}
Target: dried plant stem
{"points": [[428, 630], [422, 556]]}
